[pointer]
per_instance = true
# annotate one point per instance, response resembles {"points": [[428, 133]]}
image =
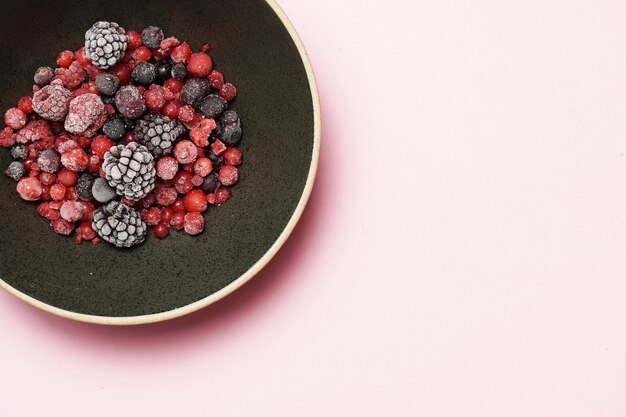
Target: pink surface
{"points": [[462, 253]]}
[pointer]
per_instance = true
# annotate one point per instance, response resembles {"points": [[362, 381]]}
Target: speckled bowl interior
{"points": [[252, 46]]}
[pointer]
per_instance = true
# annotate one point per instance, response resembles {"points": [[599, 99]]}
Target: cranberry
{"points": [[165, 196], [65, 59], [222, 195], [152, 216], [181, 54], [228, 92], [185, 113], [45, 193], [142, 54], [182, 182], [71, 194], [203, 167], [47, 178], [134, 40], [94, 164], [25, 104], [197, 180], [129, 137], [101, 145], [166, 214], [155, 98], [195, 201], [229, 175], [170, 109], [67, 177], [29, 188], [178, 205], [167, 167], [161, 230], [88, 209], [216, 79], [185, 152], [232, 156], [200, 65], [81, 58], [178, 220], [194, 223], [174, 85], [85, 230], [45, 210], [57, 192]]}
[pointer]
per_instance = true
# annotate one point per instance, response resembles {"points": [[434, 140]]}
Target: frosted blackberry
{"points": [[130, 170], [194, 90], [107, 83], [119, 225], [15, 170], [19, 152], [180, 72], [84, 185], [105, 44], [152, 37], [212, 106], [144, 73], [158, 133], [231, 128], [114, 127]]}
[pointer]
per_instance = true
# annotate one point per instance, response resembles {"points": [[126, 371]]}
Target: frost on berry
{"points": [[52, 102], [34, 131], [84, 111], [15, 118], [130, 102], [71, 77]]}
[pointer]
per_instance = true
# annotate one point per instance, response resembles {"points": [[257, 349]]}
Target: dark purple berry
{"points": [[114, 127], [15, 170], [180, 72], [210, 183], [84, 186], [212, 106], [107, 83], [152, 37], [43, 76], [19, 152], [144, 73], [194, 90], [49, 161]]}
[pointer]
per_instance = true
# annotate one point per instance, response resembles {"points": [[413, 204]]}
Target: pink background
{"points": [[462, 253]]}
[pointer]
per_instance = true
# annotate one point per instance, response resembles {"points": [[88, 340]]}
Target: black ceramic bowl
{"points": [[254, 44]]}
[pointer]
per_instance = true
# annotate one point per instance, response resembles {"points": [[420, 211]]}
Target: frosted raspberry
{"points": [[218, 147], [167, 45], [34, 131], [84, 111], [75, 160], [62, 227], [52, 101], [45, 210], [72, 211], [200, 134], [71, 77], [7, 138], [15, 118]]}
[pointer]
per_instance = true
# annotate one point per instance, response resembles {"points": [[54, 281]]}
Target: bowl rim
{"points": [[254, 269]]}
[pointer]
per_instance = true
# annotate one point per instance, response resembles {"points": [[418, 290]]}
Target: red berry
{"points": [[88, 209], [57, 192], [178, 220], [218, 147], [174, 85], [200, 65], [101, 145], [182, 182], [15, 118], [154, 98], [85, 230], [165, 196], [129, 137], [71, 194], [7, 138], [134, 39], [170, 109], [167, 45], [83, 141], [45, 193], [216, 79], [147, 201], [197, 180], [232, 156], [123, 72], [67, 177], [142, 54], [167, 167], [178, 205], [25, 104], [47, 178], [65, 59], [152, 216], [94, 164], [222, 195], [76, 160], [166, 215], [228, 92], [185, 113], [161, 230], [72, 211], [195, 201], [185, 152], [45, 210], [203, 167], [181, 54], [62, 227], [29, 188], [229, 175], [81, 58], [194, 223]]}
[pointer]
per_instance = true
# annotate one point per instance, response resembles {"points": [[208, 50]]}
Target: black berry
{"points": [[84, 185], [212, 106], [210, 183], [194, 90], [114, 127], [107, 83], [218, 161], [19, 152], [144, 73], [15, 170], [180, 72], [152, 37], [164, 71]]}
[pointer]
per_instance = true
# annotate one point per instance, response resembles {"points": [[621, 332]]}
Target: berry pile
{"points": [[131, 131]]}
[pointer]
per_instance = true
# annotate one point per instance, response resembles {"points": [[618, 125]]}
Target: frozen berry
{"points": [[144, 73], [107, 83], [123, 73], [101, 145], [218, 160], [164, 71], [203, 167], [218, 147], [142, 54], [114, 127], [185, 113], [57, 192], [166, 214], [52, 102], [216, 79], [130, 102], [75, 160], [67, 177], [178, 220], [84, 186], [181, 54], [165, 196], [161, 230], [81, 57], [210, 183], [71, 77], [194, 90], [174, 85], [170, 109], [101, 190], [62, 227], [134, 39], [85, 112], [29, 188], [229, 175], [194, 223], [152, 37], [46, 210], [65, 58], [167, 167], [43, 76], [152, 216], [195, 201], [179, 72], [222, 195], [85, 230], [8, 138], [185, 152], [228, 92], [154, 98], [49, 160], [232, 156], [15, 118], [72, 211], [182, 182], [197, 180], [178, 205], [19, 152], [212, 106], [25, 104], [200, 64], [15, 171]]}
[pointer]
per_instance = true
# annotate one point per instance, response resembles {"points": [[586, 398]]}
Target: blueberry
{"points": [[230, 117], [231, 128], [212, 106], [180, 72], [107, 83], [164, 71], [144, 73], [109, 100], [114, 127], [101, 190], [218, 161], [49, 161], [19, 152], [210, 183], [194, 90], [152, 37], [129, 124], [15, 170], [84, 186], [43, 76]]}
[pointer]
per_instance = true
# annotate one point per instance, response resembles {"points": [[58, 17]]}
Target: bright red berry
{"points": [[166, 215], [178, 205], [152, 216], [85, 230], [166, 196], [195, 201], [229, 175], [67, 177], [232, 156], [47, 178], [101, 145], [161, 230], [222, 195], [200, 65], [25, 104], [228, 92], [81, 58], [72, 211], [203, 167], [75, 160], [62, 227], [142, 54], [178, 220], [216, 79], [134, 39], [29, 188], [183, 183], [123, 72], [194, 223], [185, 113], [181, 54], [170, 109], [57, 192], [218, 147], [65, 59], [174, 85], [154, 98]]}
